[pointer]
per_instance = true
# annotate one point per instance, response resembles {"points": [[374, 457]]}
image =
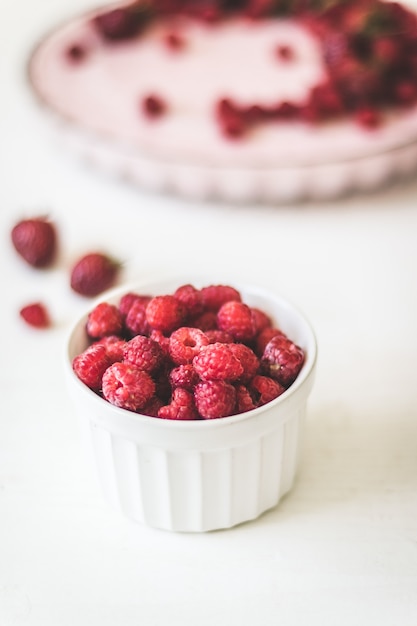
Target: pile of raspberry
{"points": [[368, 48], [193, 354]]}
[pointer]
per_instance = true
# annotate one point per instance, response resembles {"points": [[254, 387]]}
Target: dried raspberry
{"points": [[185, 343], [244, 400], [153, 106], [127, 387], [219, 336], [184, 376], [214, 296], [35, 315], [35, 240], [236, 319], [115, 347], [191, 298], [136, 322], [104, 319], [91, 364], [265, 389], [282, 360], [215, 398], [181, 407], [94, 273], [247, 359], [265, 337], [165, 313], [144, 353], [217, 362]]}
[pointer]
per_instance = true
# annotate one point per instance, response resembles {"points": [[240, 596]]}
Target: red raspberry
{"points": [[181, 407], [153, 106], [136, 322], [217, 362], [127, 387], [265, 389], [244, 400], [152, 407], [104, 319], [214, 296], [184, 376], [91, 364], [115, 347], [265, 337], [282, 360], [219, 336], [35, 315], [165, 313], [260, 320], [206, 321], [128, 299], [144, 353], [247, 359], [191, 298], [236, 319], [215, 398], [94, 273], [185, 343], [160, 339], [35, 240]]}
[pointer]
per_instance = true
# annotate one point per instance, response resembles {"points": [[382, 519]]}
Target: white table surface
{"points": [[341, 548]]}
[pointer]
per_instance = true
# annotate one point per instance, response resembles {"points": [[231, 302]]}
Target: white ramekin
{"points": [[197, 475]]}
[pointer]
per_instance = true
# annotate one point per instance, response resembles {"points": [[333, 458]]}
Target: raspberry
{"points": [[265, 337], [214, 296], [152, 407], [91, 364], [247, 359], [185, 343], [115, 347], [206, 321], [153, 106], [120, 23], [236, 319], [94, 273], [265, 389], [260, 320], [165, 313], [191, 298], [161, 340], [104, 319], [219, 336], [215, 398], [128, 299], [136, 322], [217, 362], [244, 400], [181, 407], [35, 240], [144, 353], [184, 376], [282, 360], [35, 315], [127, 387]]}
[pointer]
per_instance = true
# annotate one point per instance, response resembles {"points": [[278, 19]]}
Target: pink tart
{"points": [[249, 100]]}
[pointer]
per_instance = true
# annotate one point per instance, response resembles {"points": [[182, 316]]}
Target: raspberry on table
{"points": [[216, 361], [36, 315], [144, 353], [35, 240], [127, 387], [282, 360], [93, 273], [265, 389], [165, 313], [185, 343], [91, 364], [236, 319], [104, 319], [181, 407], [215, 398]]}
